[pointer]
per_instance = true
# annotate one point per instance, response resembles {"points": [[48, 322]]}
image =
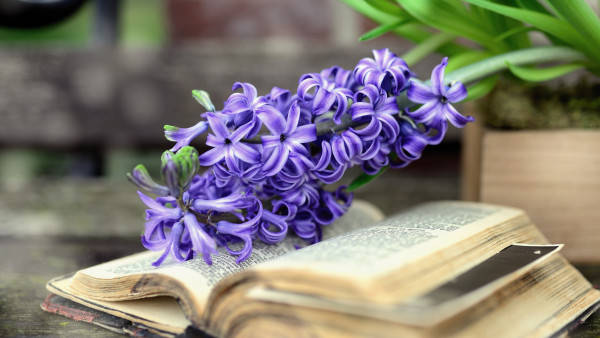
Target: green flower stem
{"points": [[427, 47], [498, 63]]}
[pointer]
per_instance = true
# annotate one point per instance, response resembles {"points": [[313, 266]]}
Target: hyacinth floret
{"points": [[270, 158]]}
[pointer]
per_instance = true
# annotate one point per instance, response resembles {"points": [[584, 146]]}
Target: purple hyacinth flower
{"points": [[436, 109], [286, 138], [242, 106], [160, 211], [280, 98], [273, 226], [380, 160], [386, 71], [378, 111], [331, 208], [331, 89], [160, 217], [305, 226], [242, 231], [409, 145], [202, 243], [227, 145], [183, 136], [175, 243], [303, 194], [236, 200], [346, 147]]}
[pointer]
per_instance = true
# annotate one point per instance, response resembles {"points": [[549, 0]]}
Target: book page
{"points": [[159, 312], [397, 239], [199, 277]]}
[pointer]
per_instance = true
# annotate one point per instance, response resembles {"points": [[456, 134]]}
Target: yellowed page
{"points": [[198, 278], [395, 241]]}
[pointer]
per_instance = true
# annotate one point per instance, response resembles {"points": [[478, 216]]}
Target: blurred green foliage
{"points": [[74, 31], [142, 23]]}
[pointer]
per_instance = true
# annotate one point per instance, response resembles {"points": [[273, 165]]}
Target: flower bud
{"points": [[204, 99], [179, 168], [140, 177]]}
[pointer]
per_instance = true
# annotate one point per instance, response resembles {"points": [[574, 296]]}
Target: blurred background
{"points": [[85, 89], [86, 86]]}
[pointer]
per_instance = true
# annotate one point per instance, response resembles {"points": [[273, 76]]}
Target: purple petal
{"points": [[292, 118], [325, 157], [246, 153], [304, 134], [231, 160], [272, 118], [390, 126], [150, 202], [429, 113], [437, 78], [339, 150], [369, 92], [323, 101], [217, 126], [276, 160], [201, 241], [212, 156], [248, 88], [441, 132], [361, 109], [371, 131], [241, 132], [456, 93], [183, 136], [270, 141], [224, 204], [454, 117], [353, 143], [420, 93], [371, 151], [305, 86]]}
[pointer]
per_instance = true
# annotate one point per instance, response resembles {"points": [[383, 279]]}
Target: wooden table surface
{"points": [[50, 228]]}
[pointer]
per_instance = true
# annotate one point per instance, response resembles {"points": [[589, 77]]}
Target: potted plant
{"points": [[533, 147]]}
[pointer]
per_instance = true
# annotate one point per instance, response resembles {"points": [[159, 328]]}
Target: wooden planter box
{"points": [[553, 174]]}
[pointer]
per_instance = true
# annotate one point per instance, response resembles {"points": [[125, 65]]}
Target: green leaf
{"points": [[412, 31], [543, 22], [427, 47], [543, 74], [537, 7], [387, 7], [514, 31], [481, 88], [494, 64], [363, 179], [464, 59], [204, 99], [378, 31], [581, 16], [450, 19], [498, 24]]}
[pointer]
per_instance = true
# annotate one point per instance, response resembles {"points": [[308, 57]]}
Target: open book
{"points": [[439, 269]]}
